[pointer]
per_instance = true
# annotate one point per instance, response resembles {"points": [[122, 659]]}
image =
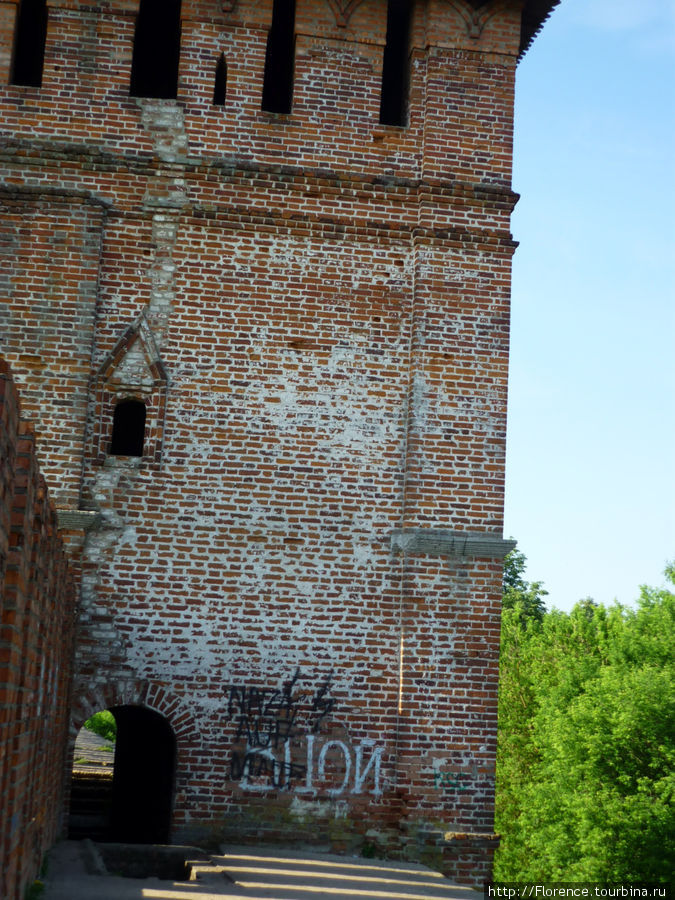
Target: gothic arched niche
{"points": [[131, 388]]}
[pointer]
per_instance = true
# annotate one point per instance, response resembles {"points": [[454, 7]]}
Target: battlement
{"points": [[366, 86]]}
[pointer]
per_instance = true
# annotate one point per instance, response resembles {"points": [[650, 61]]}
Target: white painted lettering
{"points": [[321, 768], [361, 774]]}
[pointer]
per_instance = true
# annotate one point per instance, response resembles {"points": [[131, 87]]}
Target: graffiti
{"points": [[268, 718], [277, 743], [452, 780], [322, 704], [360, 774], [331, 767], [253, 764]]}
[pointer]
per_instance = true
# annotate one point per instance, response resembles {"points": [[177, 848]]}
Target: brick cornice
{"points": [[534, 16], [57, 194], [34, 153]]}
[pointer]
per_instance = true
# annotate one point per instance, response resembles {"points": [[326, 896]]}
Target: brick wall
{"points": [[302, 572], [36, 642]]}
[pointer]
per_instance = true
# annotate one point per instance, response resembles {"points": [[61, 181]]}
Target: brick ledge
{"points": [[77, 519], [443, 542]]}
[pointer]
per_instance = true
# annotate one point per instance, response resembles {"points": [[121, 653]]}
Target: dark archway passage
{"points": [[143, 783], [134, 805]]}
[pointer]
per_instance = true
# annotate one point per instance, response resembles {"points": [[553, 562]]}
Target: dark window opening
{"points": [[128, 429], [395, 65], [29, 43], [279, 59], [220, 83], [154, 65]]}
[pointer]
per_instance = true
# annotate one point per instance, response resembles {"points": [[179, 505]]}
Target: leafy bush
{"points": [[104, 724], [35, 891], [586, 756]]}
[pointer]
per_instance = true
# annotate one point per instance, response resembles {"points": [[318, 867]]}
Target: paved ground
{"points": [[252, 874], [93, 753]]}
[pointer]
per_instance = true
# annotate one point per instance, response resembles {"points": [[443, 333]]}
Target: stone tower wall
{"points": [[302, 572]]}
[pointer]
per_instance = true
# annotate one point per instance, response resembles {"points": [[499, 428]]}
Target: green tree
{"points": [[585, 754], [519, 593], [523, 613]]}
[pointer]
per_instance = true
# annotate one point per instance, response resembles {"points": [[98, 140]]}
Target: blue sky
{"points": [[591, 439]]}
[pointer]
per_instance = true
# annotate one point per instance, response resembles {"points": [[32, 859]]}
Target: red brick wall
{"points": [[36, 644], [315, 309]]}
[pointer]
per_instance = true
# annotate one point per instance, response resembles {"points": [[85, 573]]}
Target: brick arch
{"points": [[342, 10], [476, 13], [139, 692]]}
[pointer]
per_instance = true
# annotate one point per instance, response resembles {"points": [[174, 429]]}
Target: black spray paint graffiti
{"points": [[278, 745], [255, 765], [267, 720]]}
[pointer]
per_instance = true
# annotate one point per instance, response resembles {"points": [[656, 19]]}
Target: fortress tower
{"points": [[254, 279]]}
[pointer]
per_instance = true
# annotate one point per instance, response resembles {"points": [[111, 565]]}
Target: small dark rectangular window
{"points": [[396, 65], [279, 59], [29, 43], [154, 65], [128, 434]]}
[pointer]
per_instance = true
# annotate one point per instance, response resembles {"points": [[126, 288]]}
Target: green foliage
{"points": [[35, 891], [368, 851], [104, 724], [519, 594], [586, 755]]}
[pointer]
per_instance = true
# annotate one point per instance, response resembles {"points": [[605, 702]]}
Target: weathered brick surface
{"points": [[314, 308], [36, 645]]}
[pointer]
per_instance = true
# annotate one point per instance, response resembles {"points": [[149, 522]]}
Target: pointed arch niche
{"points": [[131, 379]]}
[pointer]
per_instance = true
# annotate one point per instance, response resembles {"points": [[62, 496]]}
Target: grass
{"points": [[35, 890]]}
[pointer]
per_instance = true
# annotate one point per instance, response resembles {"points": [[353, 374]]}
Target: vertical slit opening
{"points": [[395, 65], [220, 82], [29, 43], [279, 59], [154, 65]]}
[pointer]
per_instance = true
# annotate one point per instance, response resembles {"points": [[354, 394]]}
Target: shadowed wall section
{"points": [[36, 644]]}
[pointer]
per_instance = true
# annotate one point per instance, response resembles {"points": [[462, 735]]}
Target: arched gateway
{"points": [[144, 779], [123, 784]]}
